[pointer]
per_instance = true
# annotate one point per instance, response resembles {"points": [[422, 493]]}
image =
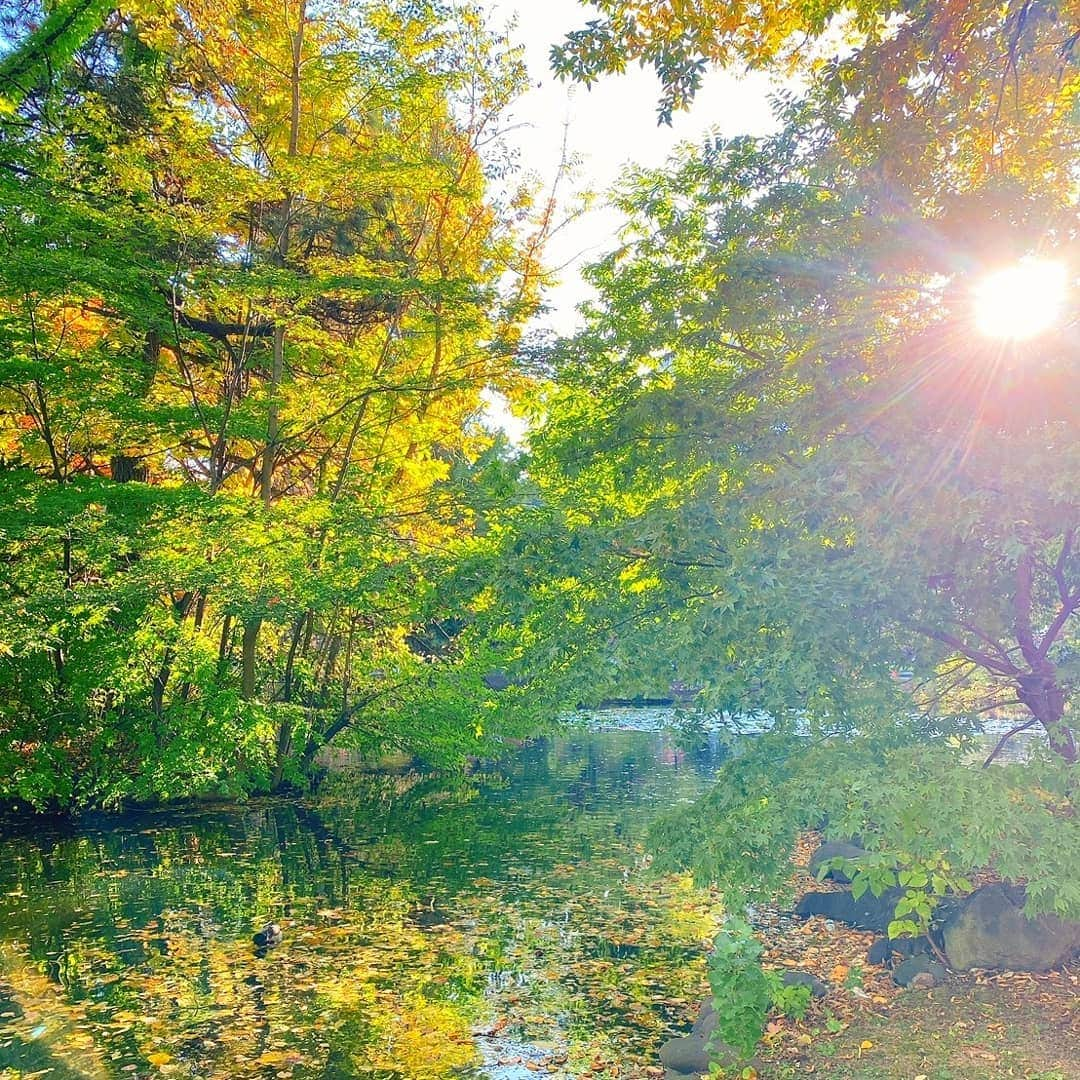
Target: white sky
{"points": [[611, 125], [607, 127]]}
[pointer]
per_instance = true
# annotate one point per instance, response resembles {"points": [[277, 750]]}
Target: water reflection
{"points": [[429, 923]]}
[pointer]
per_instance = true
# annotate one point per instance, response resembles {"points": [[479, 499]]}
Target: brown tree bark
{"points": [[249, 655]]}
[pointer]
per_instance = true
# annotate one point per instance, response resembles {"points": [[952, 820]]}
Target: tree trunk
{"points": [[281, 253], [1046, 700], [250, 645], [182, 607], [290, 661], [285, 731], [69, 579], [124, 469], [272, 422], [281, 752], [224, 645]]}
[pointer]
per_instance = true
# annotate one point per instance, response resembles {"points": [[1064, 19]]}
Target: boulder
{"points": [[990, 930], [880, 953], [705, 1024], [884, 951], [921, 972], [868, 912], [834, 851], [690, 1056], [818, 987], [686, 1056]]}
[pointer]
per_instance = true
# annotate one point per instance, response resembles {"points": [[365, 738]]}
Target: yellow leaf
{"points": [[159, 1057]]}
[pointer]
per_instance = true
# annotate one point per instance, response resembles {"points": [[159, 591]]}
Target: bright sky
{"points": [[607, 127], [610, 126]]}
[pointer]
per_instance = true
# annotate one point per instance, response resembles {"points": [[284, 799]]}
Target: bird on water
{"points": [[269, 936]]}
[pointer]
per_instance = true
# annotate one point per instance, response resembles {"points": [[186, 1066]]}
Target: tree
{"points": [[255, 280], [780, 463], [48, 47], [960, 81]]}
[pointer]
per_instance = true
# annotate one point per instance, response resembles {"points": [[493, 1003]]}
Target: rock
{"points": [[921, 972], [686, 1056], [990, 930], [690, 1056], [834, 851], [884, 951], [818, 987], [869, 912], [880, 953], [705, 1024]]}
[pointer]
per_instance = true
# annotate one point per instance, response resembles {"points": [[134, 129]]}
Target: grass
{"points": [[985, 1029]]}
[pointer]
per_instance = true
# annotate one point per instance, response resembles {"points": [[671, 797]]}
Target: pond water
{"points": [[500, 925]]}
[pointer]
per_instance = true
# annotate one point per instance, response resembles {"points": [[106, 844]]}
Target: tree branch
{"points": [[222, 331], [983, 636], [1025, 635], [975, 655], [1058, 570], [1068, 608], [1006, 737]]}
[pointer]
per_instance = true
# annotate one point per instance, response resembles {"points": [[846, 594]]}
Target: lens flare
{"points": [[1020, 301]]}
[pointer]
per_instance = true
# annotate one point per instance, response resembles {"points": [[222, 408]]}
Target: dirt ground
{"points": [[977, 1026], [972, 1029]]}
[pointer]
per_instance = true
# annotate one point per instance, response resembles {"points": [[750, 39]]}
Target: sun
{"points": [[1020, 301]]}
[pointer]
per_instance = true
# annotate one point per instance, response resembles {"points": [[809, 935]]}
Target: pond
{"points": [[502, 924]]}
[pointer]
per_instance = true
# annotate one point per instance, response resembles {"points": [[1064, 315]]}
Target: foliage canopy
{"points": [[780, 465], [255, 277]]}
